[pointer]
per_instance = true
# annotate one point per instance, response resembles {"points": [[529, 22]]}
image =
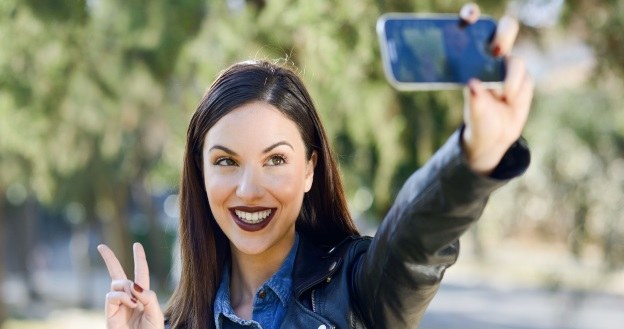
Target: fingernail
{"points": [[138, 288], [472, 89], [469, 13], [496, 51], [134, 300]]}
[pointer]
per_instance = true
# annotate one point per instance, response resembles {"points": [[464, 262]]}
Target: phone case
{"points": [[411, 86]]}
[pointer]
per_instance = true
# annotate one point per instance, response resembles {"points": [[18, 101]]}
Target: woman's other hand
{"points": [[130, 304], [495, 118]]}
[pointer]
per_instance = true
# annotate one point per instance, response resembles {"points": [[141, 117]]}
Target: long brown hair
{"points": [[324, 217]]}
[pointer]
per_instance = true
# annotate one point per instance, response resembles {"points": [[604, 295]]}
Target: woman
{"points": [[266, 237]]}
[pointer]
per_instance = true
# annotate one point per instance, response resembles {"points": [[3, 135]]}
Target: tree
{"points": [[85, 98], [95, 97]]}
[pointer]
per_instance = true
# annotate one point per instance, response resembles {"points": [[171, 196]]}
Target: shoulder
{"points": [[351, 246], [315, 263], [347, 247]]}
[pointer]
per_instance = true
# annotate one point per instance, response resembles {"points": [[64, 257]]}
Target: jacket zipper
{"points": [[314, 306], [313, 301]]}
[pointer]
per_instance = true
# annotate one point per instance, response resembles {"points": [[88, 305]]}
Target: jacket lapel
{"points": [[312, 266]]}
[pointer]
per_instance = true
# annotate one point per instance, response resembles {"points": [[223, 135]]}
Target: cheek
{"points": [[288, 186], [217, 188]]}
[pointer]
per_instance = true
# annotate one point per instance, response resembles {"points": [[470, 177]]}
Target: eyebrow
{"points": [[266, 150], [222, 148]]}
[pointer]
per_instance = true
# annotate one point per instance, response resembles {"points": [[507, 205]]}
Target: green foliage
{"points": [[101, 76], [572, 193], [59, 11], [339, 60], [95, 95]]}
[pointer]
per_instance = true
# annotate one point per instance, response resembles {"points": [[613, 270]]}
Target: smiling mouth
{"points": [[252, 217]]}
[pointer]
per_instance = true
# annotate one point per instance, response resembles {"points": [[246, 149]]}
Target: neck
{"points": [[249, 272]]}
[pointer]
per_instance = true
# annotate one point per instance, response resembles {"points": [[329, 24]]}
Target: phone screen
{"points": [[440, 50]]}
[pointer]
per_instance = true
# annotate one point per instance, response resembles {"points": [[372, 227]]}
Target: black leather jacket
{"points": [[388, 281]]}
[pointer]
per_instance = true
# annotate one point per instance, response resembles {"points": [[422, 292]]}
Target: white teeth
{"points": [[253, 217]]}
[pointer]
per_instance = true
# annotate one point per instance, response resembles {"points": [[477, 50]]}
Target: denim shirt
{"points": [[269, 305]]}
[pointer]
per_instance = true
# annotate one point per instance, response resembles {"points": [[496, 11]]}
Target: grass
{"points": [[66, 319], [18, 324]]}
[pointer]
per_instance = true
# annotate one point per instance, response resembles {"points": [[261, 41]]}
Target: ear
{"points": [[309, 176]]}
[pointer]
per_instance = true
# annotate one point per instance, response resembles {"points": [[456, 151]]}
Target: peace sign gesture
{"points": [[130, 305]]}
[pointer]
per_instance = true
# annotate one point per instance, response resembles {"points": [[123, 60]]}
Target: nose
{"points": [[249, 186]]}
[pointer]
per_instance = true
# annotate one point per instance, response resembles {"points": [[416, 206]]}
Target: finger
{"points": [[141, 270], [112, 263], [524, 99], [116, 299], [122, 285], [516, 73], [482, 100], [505, 36], [469, 13], [149, 300], [477, 93], [478, 99]]}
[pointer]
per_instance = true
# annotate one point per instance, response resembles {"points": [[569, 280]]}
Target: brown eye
{"points": [[226, 162], [276, 160]]}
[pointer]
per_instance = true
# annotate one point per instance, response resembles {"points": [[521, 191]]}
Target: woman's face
{"points": [[256, 173]]}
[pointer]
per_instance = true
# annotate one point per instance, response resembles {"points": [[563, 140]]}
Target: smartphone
{"points": [[434, 51]]}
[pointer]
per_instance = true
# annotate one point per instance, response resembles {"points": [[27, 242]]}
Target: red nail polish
{"points": [[138, 288], [496, 51]]}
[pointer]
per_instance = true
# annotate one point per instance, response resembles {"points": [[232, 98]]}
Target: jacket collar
{"points": [[314, 265]]}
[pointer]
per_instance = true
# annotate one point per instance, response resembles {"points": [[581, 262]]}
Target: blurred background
{"points": [[95, 97]]}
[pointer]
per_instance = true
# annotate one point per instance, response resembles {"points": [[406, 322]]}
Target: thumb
{"points": [[469, 13]]}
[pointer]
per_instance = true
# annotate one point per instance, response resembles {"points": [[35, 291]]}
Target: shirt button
{"points": [[262, 294], [322, 326]]}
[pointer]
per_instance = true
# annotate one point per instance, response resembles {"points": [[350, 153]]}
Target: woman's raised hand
{"points": [[495, 118], [130, 304]]}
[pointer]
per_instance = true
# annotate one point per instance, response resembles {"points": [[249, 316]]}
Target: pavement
{"points": [[466, 306], [458, 305], [463, 302], [532, 290], [528, 287]]}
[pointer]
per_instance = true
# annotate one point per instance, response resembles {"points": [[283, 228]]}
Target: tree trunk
{"points": [[115, 230], [79, 248], [26, 238], [3, 312], [154, 238]]}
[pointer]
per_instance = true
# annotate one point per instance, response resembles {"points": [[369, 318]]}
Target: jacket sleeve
{"points": [[395, 280]]}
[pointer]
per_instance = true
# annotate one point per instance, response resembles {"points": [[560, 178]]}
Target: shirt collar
{"points": [[280, 283]]}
